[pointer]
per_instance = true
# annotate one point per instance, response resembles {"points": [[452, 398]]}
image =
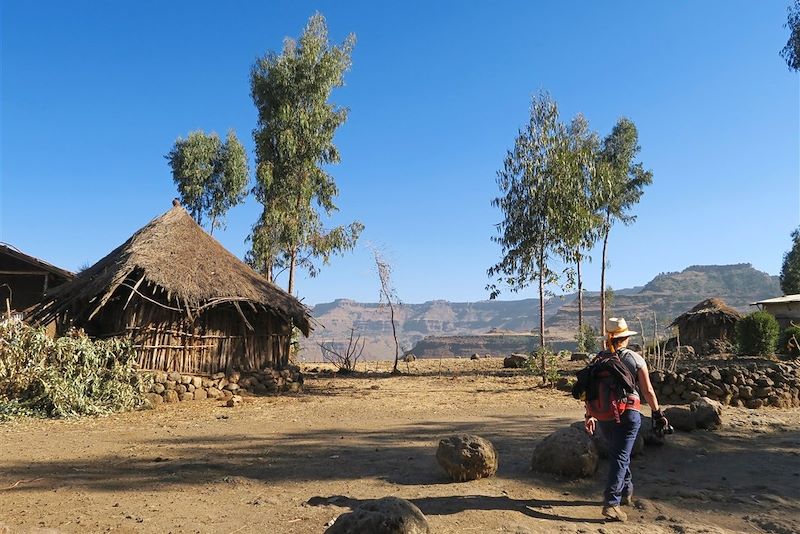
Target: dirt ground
{"points": [[294, 463]]}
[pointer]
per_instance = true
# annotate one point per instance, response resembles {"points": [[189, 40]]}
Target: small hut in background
{"points": [[707, 326], [188, 304], [24, 280], [785, 309]]}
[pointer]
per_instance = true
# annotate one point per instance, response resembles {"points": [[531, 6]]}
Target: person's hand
{"points": [[590, 424]]}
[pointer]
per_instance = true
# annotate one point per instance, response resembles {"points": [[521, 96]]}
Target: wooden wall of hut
{"points": [[218, 339]]}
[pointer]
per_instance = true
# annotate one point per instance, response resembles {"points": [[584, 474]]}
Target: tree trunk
{"points": [[213, 222], [580, 297], [541, 300], [396, 344], [292, 261], [268, 270], [603, 283]]}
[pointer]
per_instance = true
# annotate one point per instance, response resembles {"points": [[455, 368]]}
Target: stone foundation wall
{"points": [[175, 387], [752, 385]]}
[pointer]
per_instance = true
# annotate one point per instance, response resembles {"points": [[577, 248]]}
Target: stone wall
{"points": [[175, 387], [753, 385]]}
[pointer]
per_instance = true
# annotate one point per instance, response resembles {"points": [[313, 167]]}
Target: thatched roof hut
{"points": [[25, 279], [189, 304], [707, 324]]}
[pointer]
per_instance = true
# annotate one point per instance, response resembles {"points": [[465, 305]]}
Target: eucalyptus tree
{"points": [[790, 269], [581, 228], [535, 199], [294, 144], [211, 175], [618, 187], [791, 52]]}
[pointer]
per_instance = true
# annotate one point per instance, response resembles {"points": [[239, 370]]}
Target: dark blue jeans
{"points": [[620, 438]]}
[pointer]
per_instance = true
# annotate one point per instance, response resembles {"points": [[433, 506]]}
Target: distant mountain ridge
{"points": [[668, 295]]}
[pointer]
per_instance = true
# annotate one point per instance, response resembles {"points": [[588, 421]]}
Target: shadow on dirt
{"points": [[430, 506]]}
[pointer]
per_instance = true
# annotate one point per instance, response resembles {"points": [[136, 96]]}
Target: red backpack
{"points": [[610, 388]]}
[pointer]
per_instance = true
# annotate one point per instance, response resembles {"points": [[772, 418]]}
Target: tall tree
{"points": [[294, 143], [388, 296], [534, 201], [581, 227], [791, 52], [790, 270], [211, 175], [618, 188]]}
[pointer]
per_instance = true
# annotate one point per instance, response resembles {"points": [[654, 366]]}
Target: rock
{"points": [[680, 418], [235, 400], [200, 394], [174, 376], [601, 444], [171, 395], [181, 389], [475, 357], [515, 361], [293, 387], [227, 394], [580, 357], [206, 383], [389, 515], [214, 393], [232, 386], [467, 457], [707, 413], [153, 399], [186, 380], [260, 389], [754, 404], [568, 452], [190, 388], [217, 376], [158, 388], [186, 396], [234, 377], [170, 384], [159, 377], [197, 382]]}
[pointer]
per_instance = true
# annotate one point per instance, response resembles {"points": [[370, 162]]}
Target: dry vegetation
{"points": [[294, 463]]}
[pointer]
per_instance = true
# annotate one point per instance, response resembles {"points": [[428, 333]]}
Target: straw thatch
{"points": [[189, 304], [708, 323]]}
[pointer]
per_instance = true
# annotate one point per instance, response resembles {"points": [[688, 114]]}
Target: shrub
{"points": [[757, 334], [63, 377], [545, 363], [587, 339], [789, 342]]}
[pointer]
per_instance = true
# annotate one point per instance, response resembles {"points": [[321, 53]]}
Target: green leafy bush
{"points": [[545, 363], [64, 377], [757, 334], [789, 342], [587, 339]]}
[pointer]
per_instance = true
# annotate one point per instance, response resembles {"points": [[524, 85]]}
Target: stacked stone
{"points": [[751, 385], [175, 387]]}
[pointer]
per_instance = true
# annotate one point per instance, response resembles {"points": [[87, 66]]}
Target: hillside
{"points": [[668, 295]]}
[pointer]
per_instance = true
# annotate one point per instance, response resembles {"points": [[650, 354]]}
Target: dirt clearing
{"points": [[294, 463]]}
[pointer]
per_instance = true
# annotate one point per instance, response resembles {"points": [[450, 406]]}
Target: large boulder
{"points": [[681, 418], [707, 413], [515, 361], [602, 445], [467, 457], [569, 452], [389, 515]]}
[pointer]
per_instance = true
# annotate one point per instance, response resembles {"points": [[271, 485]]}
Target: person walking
{"points": [[619, 378]]}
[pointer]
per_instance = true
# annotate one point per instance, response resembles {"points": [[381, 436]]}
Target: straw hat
{"points": [[617, 328]]}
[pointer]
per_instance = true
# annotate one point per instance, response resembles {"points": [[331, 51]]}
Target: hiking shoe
{"points": [[627, 500], [614, 513]]}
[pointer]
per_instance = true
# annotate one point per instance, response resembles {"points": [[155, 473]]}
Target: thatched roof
{"points": [[14, 252], [710, 309], [175, 254]]}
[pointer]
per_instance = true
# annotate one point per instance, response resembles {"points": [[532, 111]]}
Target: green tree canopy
{"points": [[618, 187], [790, 270], [294, 144], [211, 175], [791, 52], [538, 198]]}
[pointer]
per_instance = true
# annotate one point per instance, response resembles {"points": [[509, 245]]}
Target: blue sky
{"points": [[95, 93]]}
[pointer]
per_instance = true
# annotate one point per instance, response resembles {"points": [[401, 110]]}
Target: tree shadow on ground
{"points": [[430, 506]]}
